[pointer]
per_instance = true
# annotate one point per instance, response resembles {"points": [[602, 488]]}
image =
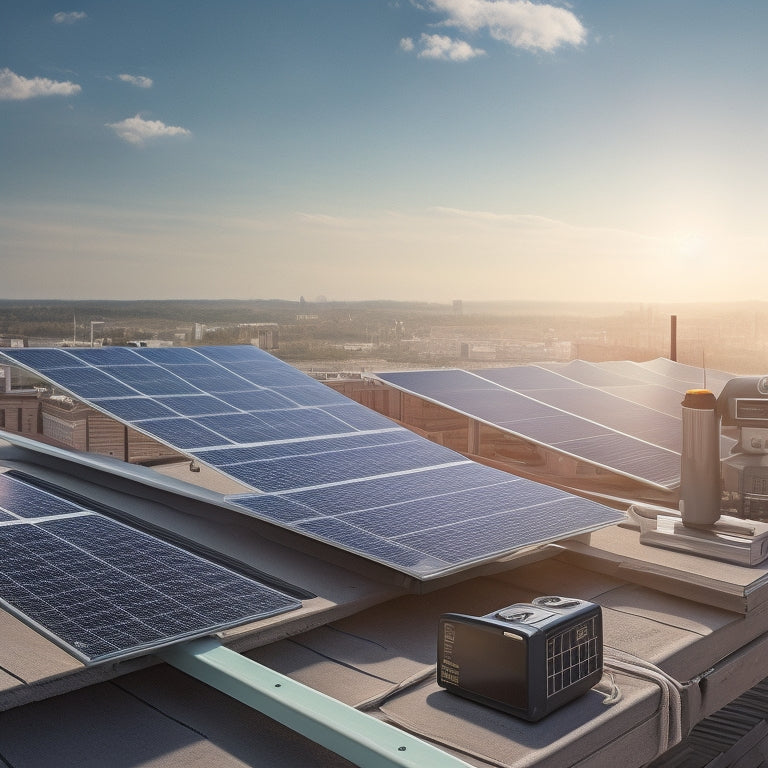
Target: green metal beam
{"points": [[358, 737]]}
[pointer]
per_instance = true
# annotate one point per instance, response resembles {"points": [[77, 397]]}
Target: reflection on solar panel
{"points": [[592, 403], [658, 384], [103, 590], [581, 421], [313, 457]]}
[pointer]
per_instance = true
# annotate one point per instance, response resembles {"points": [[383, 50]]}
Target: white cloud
{"points": [[14, 87], [70, 17], [406, 44], [138, 80], [445, 48], [137, 130], [520, 23]]}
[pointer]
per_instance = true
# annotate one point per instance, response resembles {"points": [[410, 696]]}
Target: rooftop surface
{"points": [[682, 638]]}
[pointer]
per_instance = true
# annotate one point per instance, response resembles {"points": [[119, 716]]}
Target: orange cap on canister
{"points": [[701, 399]]}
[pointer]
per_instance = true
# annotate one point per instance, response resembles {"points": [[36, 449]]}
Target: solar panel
{"points": [[307, 451], [103, 590], [594, 436]]}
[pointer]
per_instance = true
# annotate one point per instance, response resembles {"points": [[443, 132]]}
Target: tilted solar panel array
{"points": [[557, 426], [103, 590], [319, 463]]}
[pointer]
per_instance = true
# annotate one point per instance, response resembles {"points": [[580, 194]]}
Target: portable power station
{"points": [[527, 659]]}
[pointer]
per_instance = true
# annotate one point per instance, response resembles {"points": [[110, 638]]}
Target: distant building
{"points": [[268, 335], [149, 343]]}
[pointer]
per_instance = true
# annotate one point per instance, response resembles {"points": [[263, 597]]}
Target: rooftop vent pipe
{"points": [[673, 338]]}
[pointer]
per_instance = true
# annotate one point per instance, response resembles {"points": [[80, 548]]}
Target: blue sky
{"points": [[371, 149]]}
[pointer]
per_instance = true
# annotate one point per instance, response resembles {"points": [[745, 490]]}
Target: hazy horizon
{"points": [[483, 150]]}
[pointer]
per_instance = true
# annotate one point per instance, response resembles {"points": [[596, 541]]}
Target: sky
{"points": [[424, 150]]}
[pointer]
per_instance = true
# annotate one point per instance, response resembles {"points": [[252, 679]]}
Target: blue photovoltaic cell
{"points": [[182, 433], [209, 377], [340, 466], [150, 380], [170, 355], [312, 456], [418, 514], [240, 427], [380, 492], [107, 356], [44, 359], [256, 400], [312, 395], [359, 418], [316, 446], [26, 501], [90, 383], [105, 591], [134, 408], [195, 405], [551, 430]]}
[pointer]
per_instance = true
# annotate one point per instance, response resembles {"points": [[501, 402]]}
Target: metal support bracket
{"points": [[358, 737]]}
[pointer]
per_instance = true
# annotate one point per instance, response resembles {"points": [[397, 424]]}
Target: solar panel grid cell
{"points": [[239, 427], [44, 359], [550, 429], [592, 374], [256, 400], [107, 356], [275, 450], [26, 501], [523, 378], [633, 457], [455, 542], [319, 469], [358, 418], [312, 395], [134, 408], [195, 405], [91, 383], [375, 547], [181, 433], [423, 514]]}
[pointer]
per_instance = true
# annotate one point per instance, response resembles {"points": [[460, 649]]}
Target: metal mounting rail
{"points": [[358, 737]]}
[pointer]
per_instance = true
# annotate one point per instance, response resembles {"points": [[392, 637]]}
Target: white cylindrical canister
{"points": [[700, 459]]}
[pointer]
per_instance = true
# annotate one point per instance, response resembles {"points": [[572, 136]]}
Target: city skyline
{"points": [[475, 149]]}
